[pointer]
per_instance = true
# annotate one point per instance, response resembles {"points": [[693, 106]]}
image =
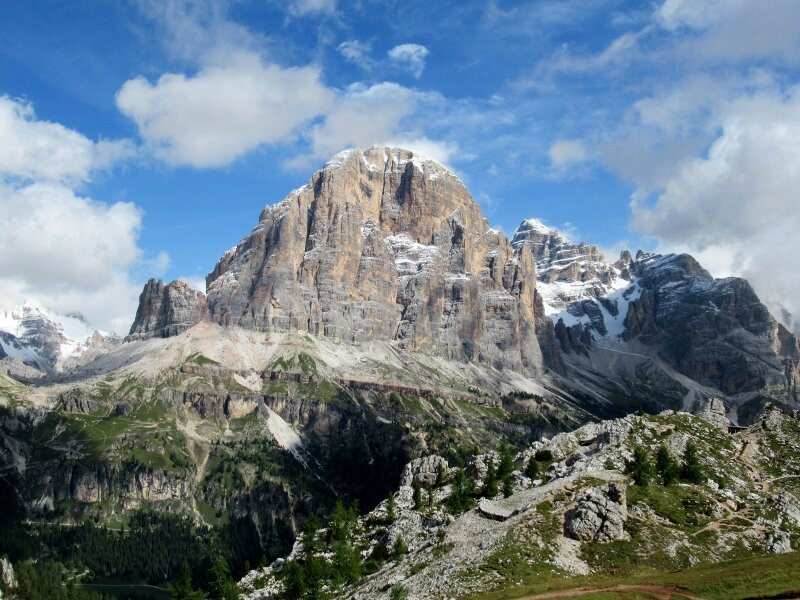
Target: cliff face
{"points": [[166, 310], [381, 244]]}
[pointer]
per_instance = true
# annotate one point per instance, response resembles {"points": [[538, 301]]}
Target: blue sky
{"points": [[142, 138]]}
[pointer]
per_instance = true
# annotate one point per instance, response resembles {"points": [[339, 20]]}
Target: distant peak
{"points": [[382, 154]]}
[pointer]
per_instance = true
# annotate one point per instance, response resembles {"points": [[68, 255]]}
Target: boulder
{"points": [[779, 542], [599, 515], [423, 471]]}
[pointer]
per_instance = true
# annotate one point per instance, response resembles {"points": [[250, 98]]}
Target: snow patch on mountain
{"points": [[43, 338]]}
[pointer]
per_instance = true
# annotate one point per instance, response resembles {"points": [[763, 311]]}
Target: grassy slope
{"points": [[763, 577]]}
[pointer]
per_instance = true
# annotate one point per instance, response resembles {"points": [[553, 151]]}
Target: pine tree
{"points": [[456, 500], [508, 486], [640, 468], [220, 583], [182, 588], [691, 470], [666, 468], [439, 475], [390, 509], [532, 469], [490, 481], [399, 548], [417, 495], [506, 462], [294, 581]]}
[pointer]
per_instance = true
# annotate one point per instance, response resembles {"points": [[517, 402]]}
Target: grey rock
{"points": [[599, 515], [713, 411], [7, 574], [424, 471], [779, 542], [167, 310], [381, 244]]}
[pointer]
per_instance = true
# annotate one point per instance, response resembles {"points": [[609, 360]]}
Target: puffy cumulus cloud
{"points": [[41, 150], [69, 253], [224, 111], [736, 207], [411, 57], [306, 7], [58, 248], [566, 153], [363, 116]]}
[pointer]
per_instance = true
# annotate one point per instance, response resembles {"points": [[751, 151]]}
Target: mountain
{"points": [[384, 245], [371, 319], [46, 341], [583, 523], [662, 325]]}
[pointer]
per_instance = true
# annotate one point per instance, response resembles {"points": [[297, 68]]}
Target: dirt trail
{"points": [[665, 592]]}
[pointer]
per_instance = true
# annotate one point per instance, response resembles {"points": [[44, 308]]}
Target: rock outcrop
{"points": [[166, 310], [383, 244], [7, 575], [599, 515], [715, 331], [580, 265]]}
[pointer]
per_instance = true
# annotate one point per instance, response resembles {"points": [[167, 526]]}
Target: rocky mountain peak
{"points": [[568, 271], [380, 244], [44, 339], [166, 310]]}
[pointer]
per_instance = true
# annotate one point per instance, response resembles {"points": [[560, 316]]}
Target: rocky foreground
{"points": [[585, 515]]}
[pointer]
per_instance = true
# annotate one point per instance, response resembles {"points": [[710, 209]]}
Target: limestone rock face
{"points": [[779, 542], [166, 310], [715, 331], [599, 515], [713, 411], [558, 260], [382, 244], [424, 471]]}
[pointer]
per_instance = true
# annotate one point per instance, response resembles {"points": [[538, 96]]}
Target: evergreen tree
{"points": [[220, 583], [532, 469], [294, 581], [439, 475], [490, 481], [417, 495], [399, 548], [666, 468], [640, 468], [691, 470], [469, 490], [182, 588], [390, 509], [457, 496], [508, 486], [506, 462]]}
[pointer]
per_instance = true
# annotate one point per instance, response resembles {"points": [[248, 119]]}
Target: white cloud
{"points": [[68, 252], [357, 53], [361, 116], [305, 7], [733, 30], [736, 207], [225, 110], [566, 153], [411, 57], [674, 14], [58, 248], [41, 150]]}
